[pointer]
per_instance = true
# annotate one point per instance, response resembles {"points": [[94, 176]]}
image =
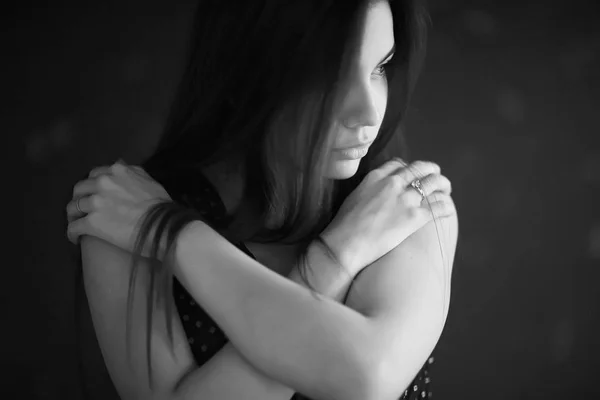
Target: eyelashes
{"points": [[380, 71]]}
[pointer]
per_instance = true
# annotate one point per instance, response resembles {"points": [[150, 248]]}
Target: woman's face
{"points": [[363, 105]]}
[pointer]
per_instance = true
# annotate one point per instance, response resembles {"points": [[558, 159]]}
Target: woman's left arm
{"points": [[228, 375], [384, 290], [399, 300]]}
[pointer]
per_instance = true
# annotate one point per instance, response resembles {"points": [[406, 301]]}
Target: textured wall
{"points": [[507, 105]]}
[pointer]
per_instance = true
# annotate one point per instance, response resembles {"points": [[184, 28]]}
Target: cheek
{"points": [[344, 169], [381, 97], [380, 100]]}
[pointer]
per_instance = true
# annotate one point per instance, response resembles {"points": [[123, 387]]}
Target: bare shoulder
{"points": [[383, 284], [439, 237]]}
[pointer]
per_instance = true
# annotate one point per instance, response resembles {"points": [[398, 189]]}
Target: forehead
{"points": [[378, 33]]}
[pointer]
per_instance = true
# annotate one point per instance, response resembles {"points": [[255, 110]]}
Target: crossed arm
{"points": [[282, 338]]}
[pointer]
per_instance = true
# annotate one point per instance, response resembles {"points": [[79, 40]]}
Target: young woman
{"points": [[301, 255]]}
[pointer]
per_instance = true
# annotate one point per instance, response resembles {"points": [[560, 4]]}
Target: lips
{"points": [[358, 146], [353, 153]]}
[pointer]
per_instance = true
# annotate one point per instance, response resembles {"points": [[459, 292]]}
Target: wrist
{"points": [[342, 250], [323, 274], [189, 240]]}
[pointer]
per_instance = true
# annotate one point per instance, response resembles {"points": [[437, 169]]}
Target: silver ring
{"points": [[416, 184], [77, 206]]}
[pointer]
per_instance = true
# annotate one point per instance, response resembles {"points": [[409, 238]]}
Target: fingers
{"points": [[85, 188], [432, 184], [103, 170], [398, 169], [440, 205], [390, 166], [81, 206], [119, 167], [92, 185], [76, 229], [139, 171], [436, 183], [89, 186], [418, 170], [402, 179], [85, 199]]}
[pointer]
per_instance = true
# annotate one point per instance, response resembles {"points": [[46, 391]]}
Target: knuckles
{"points": [[374, 175], [92, 221], [104, 182], [95, 201], [423, 166], [117, 168], [399, 161], [415, 213], [396, 182]]}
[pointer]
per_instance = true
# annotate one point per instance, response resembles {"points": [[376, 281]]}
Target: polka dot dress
{"points": [[204, 335]]}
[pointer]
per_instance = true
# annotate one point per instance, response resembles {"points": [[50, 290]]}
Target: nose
{"points": [[360, 108]]}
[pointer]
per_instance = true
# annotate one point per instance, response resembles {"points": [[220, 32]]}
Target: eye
{"points": [[380, 70]]}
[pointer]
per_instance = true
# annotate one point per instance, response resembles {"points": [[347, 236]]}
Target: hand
{"points": [[111, 203], [384, 210]]}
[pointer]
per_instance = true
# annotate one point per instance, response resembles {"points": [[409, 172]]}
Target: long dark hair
{"points": [[260, 87]]}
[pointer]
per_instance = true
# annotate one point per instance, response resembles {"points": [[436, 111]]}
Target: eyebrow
{"points": [[389, 54]]}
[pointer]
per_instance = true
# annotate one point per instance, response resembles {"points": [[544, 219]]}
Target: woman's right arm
{"points": [[227, 375]]}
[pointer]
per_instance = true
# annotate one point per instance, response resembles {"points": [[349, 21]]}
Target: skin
{"points": [[360, 115], [365, 100], [228, 375]]}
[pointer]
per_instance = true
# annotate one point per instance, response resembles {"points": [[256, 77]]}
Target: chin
{"points": [[342, 169]]}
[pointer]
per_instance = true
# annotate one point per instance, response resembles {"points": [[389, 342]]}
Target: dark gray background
{"points": [[507, 105]]}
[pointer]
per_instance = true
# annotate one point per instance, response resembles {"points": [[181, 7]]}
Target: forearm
{"points": [[307, 343], [228, 375]]}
